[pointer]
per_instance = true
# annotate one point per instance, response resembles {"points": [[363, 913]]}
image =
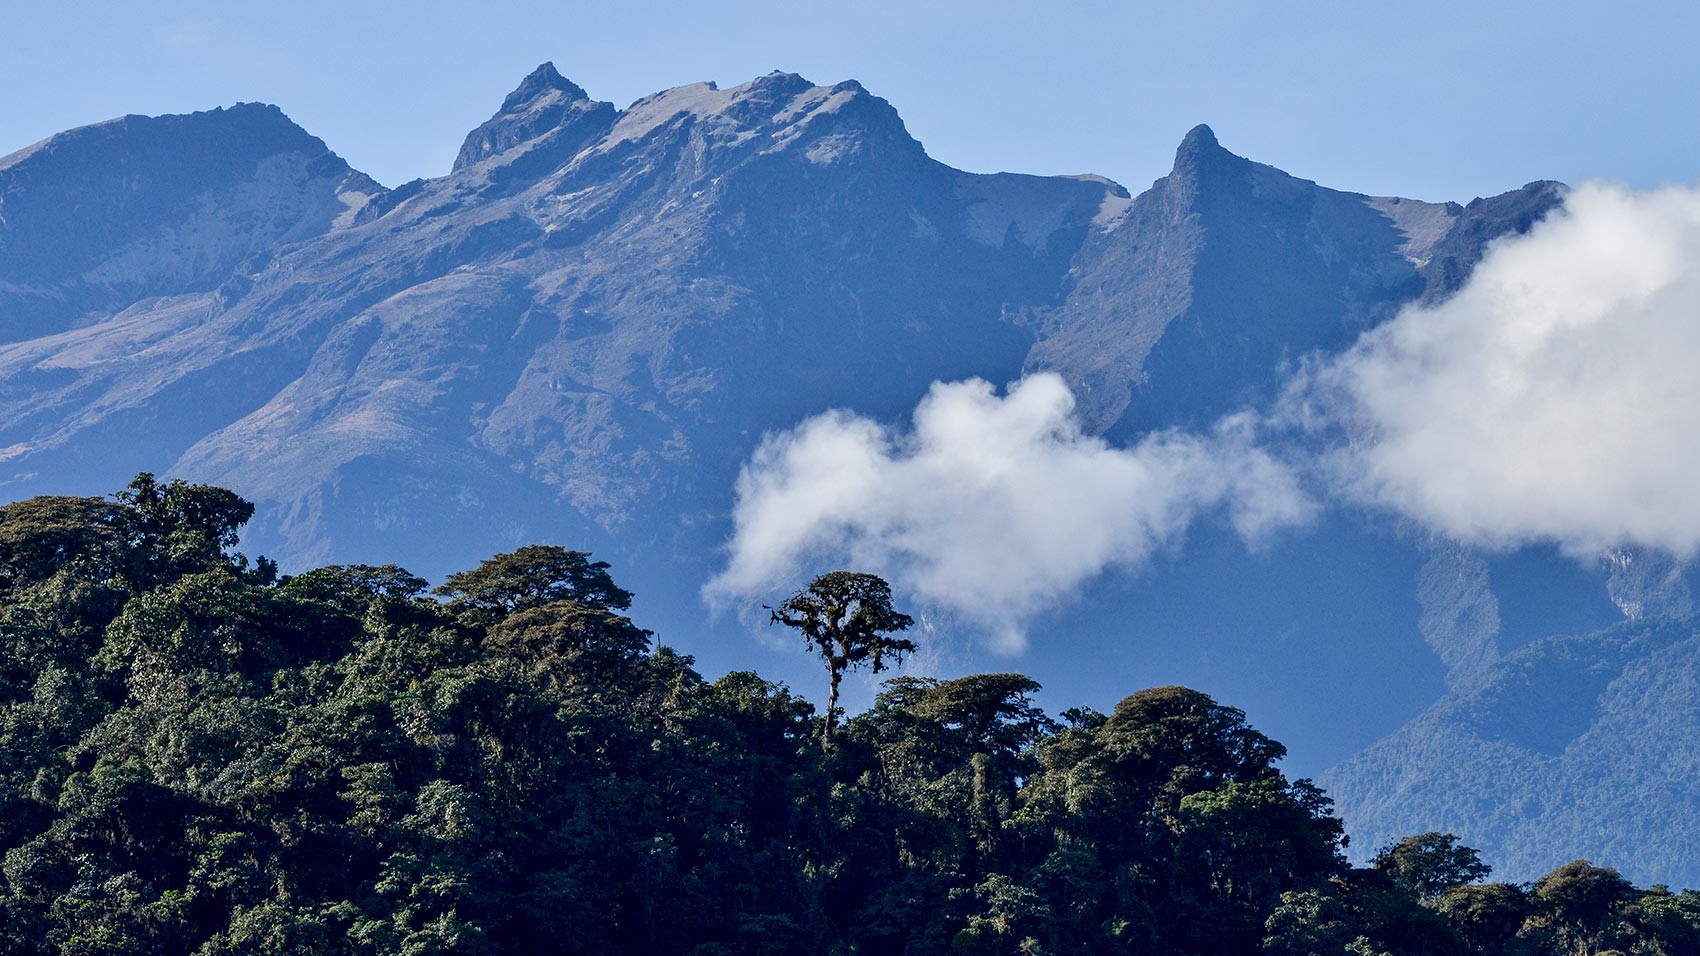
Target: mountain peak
{"points": [[166, 204], [263, 126], [539, 82], [1200, 137], [780, 80], [1200, 142], [545, 101], [779, 111]]}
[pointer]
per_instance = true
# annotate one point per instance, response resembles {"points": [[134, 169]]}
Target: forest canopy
{"points": [[200, 755]]}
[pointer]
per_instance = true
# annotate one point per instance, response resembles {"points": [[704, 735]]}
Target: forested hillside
{"points": [[201, 756]]}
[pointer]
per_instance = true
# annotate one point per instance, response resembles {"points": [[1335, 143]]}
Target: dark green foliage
{"points": [[1488, 916], [43, 536], [179, 528], [1582, 908], [1310, 923], [199, 758]]}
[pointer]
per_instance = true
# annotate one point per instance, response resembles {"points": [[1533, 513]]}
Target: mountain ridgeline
{"points": [[94, 220], [582, 330], [603, 308]]}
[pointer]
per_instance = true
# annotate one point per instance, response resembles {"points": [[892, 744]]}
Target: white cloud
{"points": [[1555, 398], [992, 507]]}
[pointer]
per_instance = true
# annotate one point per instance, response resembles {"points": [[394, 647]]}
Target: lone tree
{"points": [[531, 577], [847, 618]]}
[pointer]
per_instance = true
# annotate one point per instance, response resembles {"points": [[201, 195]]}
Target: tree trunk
{"points": [[831, 712]]}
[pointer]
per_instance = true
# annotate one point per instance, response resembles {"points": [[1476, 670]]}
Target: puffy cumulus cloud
{"points": [[991, 507], [1555, 398]]}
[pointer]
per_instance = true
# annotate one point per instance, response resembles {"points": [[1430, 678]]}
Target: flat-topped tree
{"points": [[531, 577], [847, 617]]}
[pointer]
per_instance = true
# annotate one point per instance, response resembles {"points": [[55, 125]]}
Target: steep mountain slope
{"points": [[605, 303], [605, 309]]}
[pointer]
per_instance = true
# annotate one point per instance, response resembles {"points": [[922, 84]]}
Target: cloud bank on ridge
{"points": [[991, 507], [1554, 399]]}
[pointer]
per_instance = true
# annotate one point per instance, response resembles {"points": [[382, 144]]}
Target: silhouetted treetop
{"points": [[848, 619], [530, 577]]}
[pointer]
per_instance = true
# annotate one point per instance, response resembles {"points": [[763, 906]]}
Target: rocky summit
{"points": [[581, 331]]}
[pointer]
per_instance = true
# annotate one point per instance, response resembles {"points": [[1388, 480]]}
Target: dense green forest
{"points": [[202, 756]]}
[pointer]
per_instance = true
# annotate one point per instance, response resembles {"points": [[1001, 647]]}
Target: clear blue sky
{"points": [[1438, 100]]}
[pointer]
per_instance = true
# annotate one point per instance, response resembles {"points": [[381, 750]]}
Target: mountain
{"points": [[582, 330], [597, 309], [1193, 299], [604, 308]]}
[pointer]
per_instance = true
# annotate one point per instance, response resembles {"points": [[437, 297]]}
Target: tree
{"points": [[1179, 741], [1238, 848], [949, 758], [42, 536], [569, 646], [1487, 916], [847, 617], [1308, 923], [1429, 864], [182, 528], [533, 576], [1580, 908]]}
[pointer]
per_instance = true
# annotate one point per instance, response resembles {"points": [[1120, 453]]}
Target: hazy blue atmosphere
{"points": [[1443, 101]]}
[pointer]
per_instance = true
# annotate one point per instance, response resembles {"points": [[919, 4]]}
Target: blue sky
{"points": [[1440, 100]]}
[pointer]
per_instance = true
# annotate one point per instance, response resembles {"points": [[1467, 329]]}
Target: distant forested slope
{"points": [[1584, 741]]}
